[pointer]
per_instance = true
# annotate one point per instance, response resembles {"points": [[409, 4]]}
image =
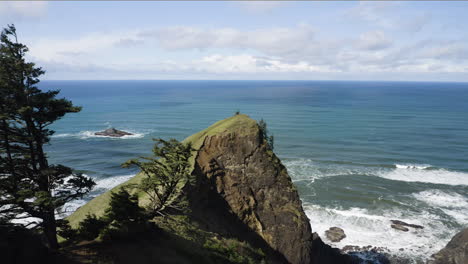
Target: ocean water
{"points": [[360, 153]]}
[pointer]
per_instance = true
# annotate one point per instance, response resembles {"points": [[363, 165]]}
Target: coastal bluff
{"points": [[242, 193]]}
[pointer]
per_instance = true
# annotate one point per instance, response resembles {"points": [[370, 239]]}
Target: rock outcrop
{"points": [[456, 251], [112, 132], [335, 234], [401, 223], [237, 170]]}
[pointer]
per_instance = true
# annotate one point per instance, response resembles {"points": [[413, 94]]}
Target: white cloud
{"points": [[270, 40], [64, 49], [374, 40], [22, 9], [260, 6], [253, 64], [375, 12], [272, 51]]}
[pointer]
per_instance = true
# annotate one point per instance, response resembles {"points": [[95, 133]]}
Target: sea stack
{"points": [[238, 172], [112, 132]]}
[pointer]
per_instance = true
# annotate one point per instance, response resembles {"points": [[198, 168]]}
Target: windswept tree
{"points": [[265, 134], [166, 173], [29, 185]]}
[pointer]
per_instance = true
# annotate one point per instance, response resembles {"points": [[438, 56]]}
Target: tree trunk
{"points": [[50, 230]]}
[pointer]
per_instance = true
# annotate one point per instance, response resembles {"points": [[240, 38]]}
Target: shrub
{"points": [[264, 132], [91, 227], [65, 230]]}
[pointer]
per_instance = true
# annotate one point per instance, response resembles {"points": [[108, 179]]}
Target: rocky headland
{"points": [[243, 196]]}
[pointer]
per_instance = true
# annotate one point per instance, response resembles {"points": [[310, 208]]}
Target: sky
{"points": [[245, 40]]}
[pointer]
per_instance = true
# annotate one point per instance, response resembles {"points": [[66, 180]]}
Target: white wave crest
{"points": [[363, 228], [412, 166], [309, 170], [111, 182], [438, 176], [451, 203], [101, 186]]}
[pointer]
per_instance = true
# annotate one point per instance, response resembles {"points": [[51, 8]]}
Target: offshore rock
{"points": [[400, 227], [112, 132], [401, 223], [236, 170], [456, 251], [335, 234]]}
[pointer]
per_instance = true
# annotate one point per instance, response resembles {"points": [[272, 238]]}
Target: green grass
{"points": [[240, 124]]}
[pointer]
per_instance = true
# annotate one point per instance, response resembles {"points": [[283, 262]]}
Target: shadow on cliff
{"points": [[213, 214]]}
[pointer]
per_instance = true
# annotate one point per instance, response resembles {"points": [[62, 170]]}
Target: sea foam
{"points": [[90, 134], [420, 173], [111, 182], [309, 170], [101, 186], [451, 203], [363, 228]]}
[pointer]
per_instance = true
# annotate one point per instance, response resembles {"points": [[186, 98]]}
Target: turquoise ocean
{"points": [[360, 153]]}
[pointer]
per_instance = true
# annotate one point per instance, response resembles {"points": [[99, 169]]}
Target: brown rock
{"points": [[456, 251], [401, 223], [236, 169], [335, 234], [400, 227]]}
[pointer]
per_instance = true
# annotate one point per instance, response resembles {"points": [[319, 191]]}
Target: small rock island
{"points": [[112, 132]]}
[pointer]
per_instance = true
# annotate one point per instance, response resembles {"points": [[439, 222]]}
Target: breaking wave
{"points": [[451, 203], [423, 173], [363, 228]]}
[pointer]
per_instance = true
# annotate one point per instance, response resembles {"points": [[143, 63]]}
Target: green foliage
{"points": [[124, 208], [124, 218], [167, 172], [66, 231], [91, 227], [29, 186], [232, 251], [264, 133]]}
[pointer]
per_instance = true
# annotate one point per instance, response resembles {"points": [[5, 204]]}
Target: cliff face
{"points": [[257, 189], [456, 251], [236, 168]]}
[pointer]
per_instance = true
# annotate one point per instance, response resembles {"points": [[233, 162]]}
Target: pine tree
{"points": [[167, 171], [262, 125], [29, 186]]}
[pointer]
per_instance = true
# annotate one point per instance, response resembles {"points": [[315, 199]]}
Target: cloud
{"points": [[388, 15], [22, 9], [376, 12], [416, 23], [374, 40], [271, 40], [275, 50], [260, 6], [64, 49]]}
